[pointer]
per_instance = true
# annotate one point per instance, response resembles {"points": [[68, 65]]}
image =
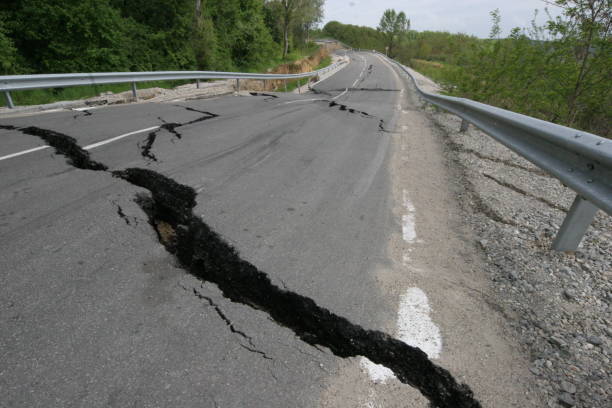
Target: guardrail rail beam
{"points": [[581, 161]]}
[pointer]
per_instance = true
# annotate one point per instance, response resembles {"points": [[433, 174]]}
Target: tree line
{"points": [[50, 36], [559, 70]]}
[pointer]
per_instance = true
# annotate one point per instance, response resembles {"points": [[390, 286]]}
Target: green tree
{"points": [[295, 13], [8, 53], [393, 25], [67, 35]]}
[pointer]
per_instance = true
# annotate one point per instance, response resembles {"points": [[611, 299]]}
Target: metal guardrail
{"points": [[10, 83], [580, 160]]}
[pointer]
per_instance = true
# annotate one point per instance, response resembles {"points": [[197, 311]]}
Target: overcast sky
{"points": [[464, 16]]}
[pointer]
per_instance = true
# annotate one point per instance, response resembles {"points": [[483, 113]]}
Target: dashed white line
{"points": [[415, 328], [414, 324], [408, 220]]}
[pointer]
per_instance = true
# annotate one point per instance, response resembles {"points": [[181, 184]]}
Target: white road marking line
{"points": [[302, 100], [10, 156], [114, 139], [415, 328], [408, 220], [88, 147], [365, 65], [414, 324], [378, 373], [338, 96]]}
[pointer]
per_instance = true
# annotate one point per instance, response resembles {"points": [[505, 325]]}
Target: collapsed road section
{"points": [[202, 253]]}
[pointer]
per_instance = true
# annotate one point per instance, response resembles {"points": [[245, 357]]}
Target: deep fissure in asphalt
{"points": [[269, 96], [204, 254], [66, 146], [147, 145], [342, 107]]}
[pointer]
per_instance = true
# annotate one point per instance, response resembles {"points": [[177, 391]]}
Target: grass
{"points": [[437, 71], [42, 96], [325, 62]]}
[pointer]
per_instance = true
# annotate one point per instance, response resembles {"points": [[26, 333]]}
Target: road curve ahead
{"points": [[220, 252]]}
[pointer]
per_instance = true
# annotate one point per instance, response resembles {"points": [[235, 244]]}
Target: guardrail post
{"points": [[238, 85], [134, 93], [198, 83], [575, 225], [9, 100], [299, 86], [464, 125], [285, 85]]}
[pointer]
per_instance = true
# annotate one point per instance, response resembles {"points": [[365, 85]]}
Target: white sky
{"points": [[464, 16]]}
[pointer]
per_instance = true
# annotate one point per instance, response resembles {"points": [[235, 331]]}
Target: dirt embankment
{"points": [[297, 67]]}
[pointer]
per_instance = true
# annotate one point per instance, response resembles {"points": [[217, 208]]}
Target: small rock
{"points": [[594, 340], [569, 294], [557, 341], [566, 400], [568, 387]]}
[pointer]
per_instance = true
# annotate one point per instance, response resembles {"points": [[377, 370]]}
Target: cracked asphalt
{"points": [[96, 312]]}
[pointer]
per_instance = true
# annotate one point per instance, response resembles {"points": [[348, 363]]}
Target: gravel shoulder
{"points": [[556, 304]]}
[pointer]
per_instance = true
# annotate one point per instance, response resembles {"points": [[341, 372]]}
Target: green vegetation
{"points": [[393, 26], [40, 96], [325, 62], [292, 85], [559, 71], [58, 36]]}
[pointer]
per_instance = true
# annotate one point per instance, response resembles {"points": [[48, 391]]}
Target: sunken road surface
{"points": [[214, 252]]}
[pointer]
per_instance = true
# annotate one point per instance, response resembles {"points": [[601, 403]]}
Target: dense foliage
{"points": [[45, 36], [559, 71]]}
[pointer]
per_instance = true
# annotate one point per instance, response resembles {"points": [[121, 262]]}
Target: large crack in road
{"points": [[147, 145], [205, 255]]}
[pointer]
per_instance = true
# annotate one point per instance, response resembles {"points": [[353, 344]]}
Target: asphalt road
{"points": [[94, 310]]}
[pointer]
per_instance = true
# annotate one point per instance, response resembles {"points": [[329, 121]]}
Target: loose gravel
{"points": [[557, 303]]}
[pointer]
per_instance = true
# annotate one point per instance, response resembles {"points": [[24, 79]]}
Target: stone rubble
{"points": [[558, 304]]}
